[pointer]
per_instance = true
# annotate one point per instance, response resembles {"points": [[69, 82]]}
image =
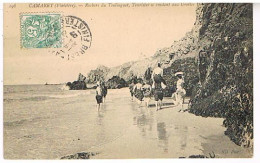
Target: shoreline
{"points": [[120, 129]]}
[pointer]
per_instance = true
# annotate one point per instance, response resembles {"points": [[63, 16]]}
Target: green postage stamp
{"points": [[41, 30]]}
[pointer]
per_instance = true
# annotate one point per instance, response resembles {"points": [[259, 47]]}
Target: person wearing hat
{"points": [[179, 95], [99, 96]]}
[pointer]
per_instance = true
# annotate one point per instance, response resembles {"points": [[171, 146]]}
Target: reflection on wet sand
{"points": [[155, 134], [183, 137], [160, 131], [100, 131], [162, 136], [100, 115], [144, 120]]}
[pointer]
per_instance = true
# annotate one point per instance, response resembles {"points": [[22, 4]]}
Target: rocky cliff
{"points": [[225, 66]]}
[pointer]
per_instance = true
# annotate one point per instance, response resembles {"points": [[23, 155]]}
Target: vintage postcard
{"points": [[127, 80]]}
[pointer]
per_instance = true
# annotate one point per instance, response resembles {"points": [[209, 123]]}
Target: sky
{"points": [[119, 35]]}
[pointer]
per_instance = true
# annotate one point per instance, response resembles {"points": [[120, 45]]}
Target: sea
{"points": [[49, 122]]}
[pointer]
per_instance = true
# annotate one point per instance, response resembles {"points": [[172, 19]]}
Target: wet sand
{"points": [[57, 127]]}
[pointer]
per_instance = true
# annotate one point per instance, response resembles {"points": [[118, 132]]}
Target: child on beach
{"points": [[147, 89], [99, 96]]}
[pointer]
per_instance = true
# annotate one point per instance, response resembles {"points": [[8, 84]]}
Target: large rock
{"points": [[116, 83], [99, 74], [79, 84]]}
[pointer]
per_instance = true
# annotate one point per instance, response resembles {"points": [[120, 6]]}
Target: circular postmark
{"points": [[76, 38]]}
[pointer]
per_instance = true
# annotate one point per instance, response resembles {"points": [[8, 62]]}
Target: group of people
{"points": [[144, 92]]}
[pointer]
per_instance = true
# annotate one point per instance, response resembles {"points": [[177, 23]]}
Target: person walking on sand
{"points": [[131, 89], [98, 95], [147, 90], [179, 95], [139, 92], [158, 85]]}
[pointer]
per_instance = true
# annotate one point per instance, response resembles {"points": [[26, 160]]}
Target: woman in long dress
{"points": [[179, 95]]}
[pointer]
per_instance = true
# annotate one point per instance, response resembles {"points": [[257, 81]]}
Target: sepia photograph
{"points": [[127, 81]]}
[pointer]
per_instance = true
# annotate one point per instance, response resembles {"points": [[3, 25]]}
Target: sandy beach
{"points": [[42, 125]]}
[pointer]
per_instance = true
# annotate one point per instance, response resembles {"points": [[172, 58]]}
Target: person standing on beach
{"points": [[158, 84], [139, 92], [147, 90], [98, 95], [131, 89], [104, 91], [179, 95]]}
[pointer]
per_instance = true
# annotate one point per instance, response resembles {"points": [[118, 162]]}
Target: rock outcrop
{"points": [[79, 84], [98, 74], [225, 65], [116, 83]]}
